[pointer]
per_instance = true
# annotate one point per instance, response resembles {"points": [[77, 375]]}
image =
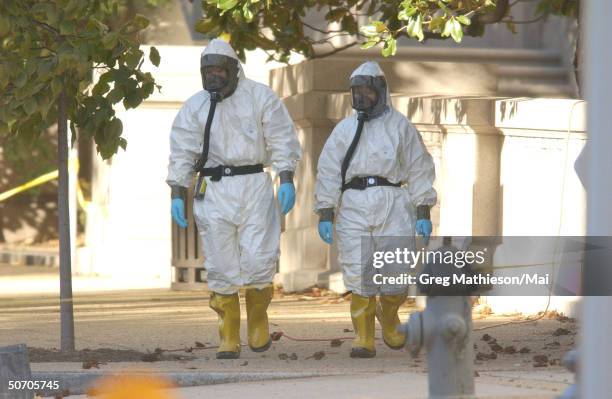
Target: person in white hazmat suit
{"points": [[227, 133], [376, 174]]}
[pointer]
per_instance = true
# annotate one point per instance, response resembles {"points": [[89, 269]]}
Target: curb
{"points": [[77, 383], [29, 256]]}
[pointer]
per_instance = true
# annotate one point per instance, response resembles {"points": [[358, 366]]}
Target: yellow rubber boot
{"points": [[257, 301], [389, 320], [228, 310], [363, 313]]}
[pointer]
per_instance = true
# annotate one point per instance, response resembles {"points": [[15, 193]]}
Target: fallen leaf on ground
{"points": [[89, 364], [495, 347], [64, 394], [540, 361], [317, 355], [486, 356], [560, 331]]}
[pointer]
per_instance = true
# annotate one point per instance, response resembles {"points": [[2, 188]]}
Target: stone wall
{"points": [[504, 166]]}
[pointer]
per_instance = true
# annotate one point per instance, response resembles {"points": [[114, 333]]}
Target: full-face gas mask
{"points": [[219, 74], [369, 95]]}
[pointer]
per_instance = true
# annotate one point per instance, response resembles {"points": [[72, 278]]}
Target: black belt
{"points": [[361, 183], [220, 171]]}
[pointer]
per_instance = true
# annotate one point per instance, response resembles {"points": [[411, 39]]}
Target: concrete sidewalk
{"points": [[316, 341], [370, 386], [19, 281]]}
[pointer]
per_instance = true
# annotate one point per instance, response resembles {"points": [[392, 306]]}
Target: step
{"points": [[533, 71], [484, 55], [529, 88]]}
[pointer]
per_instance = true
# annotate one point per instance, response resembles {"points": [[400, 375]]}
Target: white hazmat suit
{"points": [[238, 219], [389, 147]]}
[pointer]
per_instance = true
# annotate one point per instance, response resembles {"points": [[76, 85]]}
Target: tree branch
{"points": [[47, 27], [326, 32], [327, 39], [501, 10], [524, 22], [335, 50]]}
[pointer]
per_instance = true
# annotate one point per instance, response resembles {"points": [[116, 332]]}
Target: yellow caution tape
{"points": [[73, 166], [32, 183]]}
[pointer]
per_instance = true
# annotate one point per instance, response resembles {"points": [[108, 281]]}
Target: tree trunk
{"points": [[66, 310]]}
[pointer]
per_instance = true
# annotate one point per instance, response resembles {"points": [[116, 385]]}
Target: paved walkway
{"points": [[144, 320], [388, 386]]}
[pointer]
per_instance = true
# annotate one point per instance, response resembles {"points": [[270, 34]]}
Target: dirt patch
{"points": [[102, 355]]}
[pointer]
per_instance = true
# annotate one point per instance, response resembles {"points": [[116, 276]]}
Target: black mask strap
{"points": [[214, 98], [361, 118]]}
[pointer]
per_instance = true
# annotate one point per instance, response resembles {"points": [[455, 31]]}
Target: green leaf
{"points": [[406, 13], [139, 22], [456, 31], [415, 28], [133, 99], [113, 129], [52, 14], [374, 29], [226, 5], [246, 12], [368, 44], [436, 24], [30, 106], [148, 88], [110, 41], [206, 26], [444, 8], [349, 24], [5, 26], [115, 95], [336, 14], [463, 20], [100, 88], [390, 47], [66, 27], [511, 27], [21, 80], [132, 57], [154, 56], [4, 129], [448, 28], [543, 8]]}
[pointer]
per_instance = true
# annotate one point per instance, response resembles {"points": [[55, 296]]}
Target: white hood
{"points": [[218, 46]]}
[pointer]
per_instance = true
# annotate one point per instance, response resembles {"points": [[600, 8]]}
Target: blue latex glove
{"points": [[286, 197], [178, 212], [423, 227], [326, 231]]}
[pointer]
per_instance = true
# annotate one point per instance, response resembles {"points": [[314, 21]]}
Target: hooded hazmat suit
{"points": [[389, 147], [237, 219]]}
